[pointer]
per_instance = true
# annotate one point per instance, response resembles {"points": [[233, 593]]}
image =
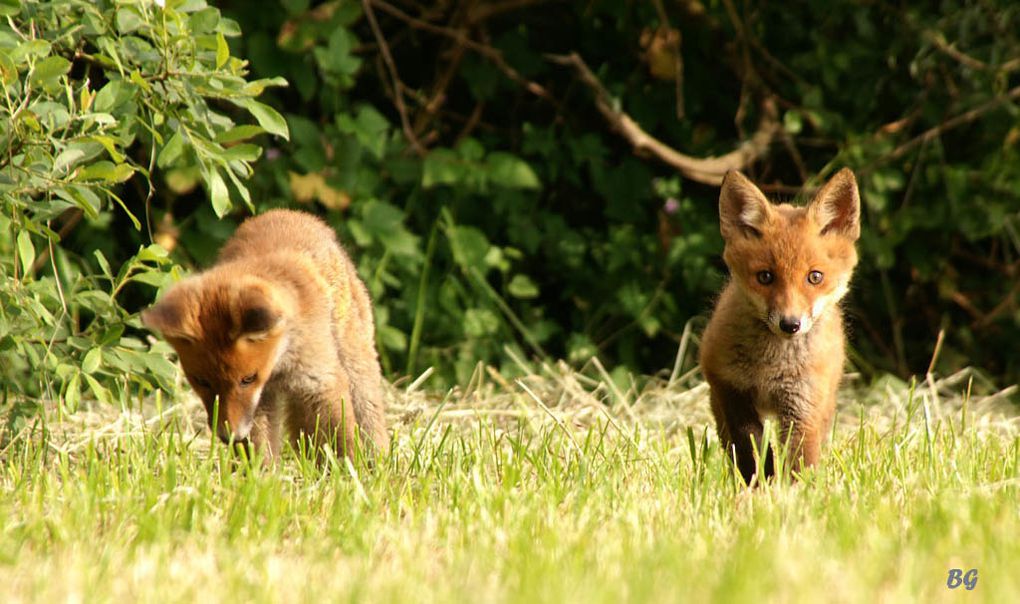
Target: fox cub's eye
{"points": [[814, 277], [200, 382], [248, 379], [766, 277]]}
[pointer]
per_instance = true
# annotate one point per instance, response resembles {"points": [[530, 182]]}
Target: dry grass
{"points": [[557, 485]]}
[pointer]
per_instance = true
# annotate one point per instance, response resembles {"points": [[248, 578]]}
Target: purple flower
{"points": [[272, 153], [672, 206]]}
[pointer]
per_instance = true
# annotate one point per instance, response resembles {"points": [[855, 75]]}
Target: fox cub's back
{"points": [[279, 231]]}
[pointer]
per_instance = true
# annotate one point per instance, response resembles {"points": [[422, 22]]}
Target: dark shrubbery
{"points": [[489, 163]]}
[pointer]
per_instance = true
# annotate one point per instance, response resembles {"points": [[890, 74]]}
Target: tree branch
{"points": [[398, 94], [707, 170], [488, 52], [954, 122]]}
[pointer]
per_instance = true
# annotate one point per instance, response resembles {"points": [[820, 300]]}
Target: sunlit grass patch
{"points": [[554, 487]]}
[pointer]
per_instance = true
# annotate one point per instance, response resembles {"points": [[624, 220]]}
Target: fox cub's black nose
{"points": [[790, 325]]}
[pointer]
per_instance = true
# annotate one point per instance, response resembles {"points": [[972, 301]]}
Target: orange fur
{"points": [[775, 345], [280, 332]]}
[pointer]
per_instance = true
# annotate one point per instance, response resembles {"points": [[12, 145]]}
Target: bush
{"points": [[523, 218], [98, 97], [491, 166]]}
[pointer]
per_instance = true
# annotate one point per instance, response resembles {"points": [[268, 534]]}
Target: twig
{"points": [[472, 121], [953, 122], [74, 216], [398, 95], [1007, 303], [432, 105], [485, 11], [678, 61], [707, 170], [490, 53], [964, 59]]}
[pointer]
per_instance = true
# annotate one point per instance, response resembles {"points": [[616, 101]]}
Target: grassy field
{"points": [[557, 487]]}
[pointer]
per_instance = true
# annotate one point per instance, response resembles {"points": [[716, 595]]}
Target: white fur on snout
{"points": [[824, 302], [243, 428]]}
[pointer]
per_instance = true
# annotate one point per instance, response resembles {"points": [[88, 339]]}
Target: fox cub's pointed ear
{"points": [[256, 314], [743, 208], [169, 316], [836, 208]]}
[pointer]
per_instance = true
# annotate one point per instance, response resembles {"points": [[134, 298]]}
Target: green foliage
{"points": [[98, 96], [529, 225], [493, 211]]}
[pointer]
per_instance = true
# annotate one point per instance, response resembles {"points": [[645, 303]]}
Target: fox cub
{"points": [[774, 346], [280, 332]]}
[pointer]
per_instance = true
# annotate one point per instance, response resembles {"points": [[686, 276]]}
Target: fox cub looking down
{"points": [[280, 332], [774, 344]]}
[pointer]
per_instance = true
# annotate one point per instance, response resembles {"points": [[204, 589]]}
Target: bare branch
{"points": [[488, 52], [953, 122], [707, 170], [963, 58], [398, 85]]}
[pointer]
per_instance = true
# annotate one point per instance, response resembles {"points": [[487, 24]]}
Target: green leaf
{"points": [[442, 167], [256, 88], [509, 171], [239, 133], [218, 193], [152, 253], [83, 197], [792, 122], [72, 394], [171, 151], [8, 70], [338, 57], [66, 159], [103, 264], [266, 116], [229, 28], [392, 338], [115, 94], [137, 79], [47, 72], [469, 246], [480, 322], [521, 286], [369, 127], [100, 392], [36, 48], [110, 147], [107, 172], [242, 152], [204, 21], [9, 8], [128, 20], [92, 360], [222, 51], [26, 251], [381, 219]]}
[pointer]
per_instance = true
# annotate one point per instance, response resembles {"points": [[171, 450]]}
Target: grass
{"points": [[558, 487]]}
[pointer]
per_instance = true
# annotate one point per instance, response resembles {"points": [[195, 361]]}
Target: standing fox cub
{"points": [[280, 331], [774, 344]]}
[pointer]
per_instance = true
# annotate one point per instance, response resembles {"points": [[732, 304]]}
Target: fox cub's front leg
{"points": [[739, 427]]}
